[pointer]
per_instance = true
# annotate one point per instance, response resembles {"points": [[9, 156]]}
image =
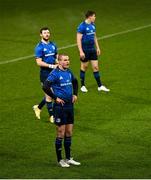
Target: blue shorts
{"points": [[90, 55], [63, 114]]}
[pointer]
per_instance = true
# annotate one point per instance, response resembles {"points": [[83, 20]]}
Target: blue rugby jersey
{"points": [[88, 32], [61, 83], [47, 52]]}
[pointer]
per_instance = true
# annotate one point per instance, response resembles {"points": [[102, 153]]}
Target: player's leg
{"points": [[67, 140], [49, 107], [68, 136], [58, 142], [67, 145], [58, 145], [96, 73], [83, 68], [38, 107], [42, 103], [60, 128]]}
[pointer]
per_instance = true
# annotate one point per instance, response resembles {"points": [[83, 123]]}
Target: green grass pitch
{"points": [[112, 133]]}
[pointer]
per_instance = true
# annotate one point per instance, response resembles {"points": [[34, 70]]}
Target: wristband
{"points": [[51, 66]]}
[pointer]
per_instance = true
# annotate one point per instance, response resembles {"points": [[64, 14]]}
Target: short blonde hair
{"points": [[60, 56]]}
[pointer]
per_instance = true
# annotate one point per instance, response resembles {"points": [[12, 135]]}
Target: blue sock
{"points": [[67, 145], [82, 77], [50, 108], [97, 78], [58, 145], [42, 103]]}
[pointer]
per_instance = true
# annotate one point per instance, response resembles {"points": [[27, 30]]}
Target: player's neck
{"points": [[88, 21], [45, 41], [63, 69]]}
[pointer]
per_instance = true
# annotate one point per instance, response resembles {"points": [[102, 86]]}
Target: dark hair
{"points": [[43, 29], [89, 13]]}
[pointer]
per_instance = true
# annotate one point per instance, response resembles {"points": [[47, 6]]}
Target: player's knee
{"points": [[61, 133], [95, 68], [68, 133], [48, 99], [84, 67]]}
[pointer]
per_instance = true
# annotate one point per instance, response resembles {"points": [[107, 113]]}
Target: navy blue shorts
{"points": [[89, 55], [63, 114]]}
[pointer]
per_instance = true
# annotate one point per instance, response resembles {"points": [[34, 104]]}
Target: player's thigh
{"points": [[95, 65], [59, 114], [69, 111]]}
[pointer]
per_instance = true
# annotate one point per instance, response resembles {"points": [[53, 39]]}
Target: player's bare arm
{"points": [[74, 98], [79, 38], [97, 45], [44, 64]]}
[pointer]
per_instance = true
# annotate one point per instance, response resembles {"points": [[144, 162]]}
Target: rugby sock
{"points": [[67, 145], [82, 77], [42, 103], [58, 145], [97, 78], [49, 107]]}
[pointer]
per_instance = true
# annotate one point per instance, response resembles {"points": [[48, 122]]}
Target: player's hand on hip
{"points": [[74, 98], [60, 101]]}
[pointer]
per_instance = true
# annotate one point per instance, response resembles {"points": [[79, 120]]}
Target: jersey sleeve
{"points": [[52, 77], [56, 50], [74, 84], [38, 52], [94, 27], [48, 85], [72, 76], [80, 29]]}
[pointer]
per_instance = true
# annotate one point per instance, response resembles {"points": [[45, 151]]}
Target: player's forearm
{"points": [[75, 86], [79, 46], [43, 64], [79, 42], [96, 42]]}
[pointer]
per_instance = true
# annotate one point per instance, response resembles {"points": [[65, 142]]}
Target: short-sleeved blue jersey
{"points": [[88, 38], [47, 52], [61, 81]]}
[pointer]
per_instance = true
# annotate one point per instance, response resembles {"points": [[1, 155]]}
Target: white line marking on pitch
{"points": [[73, 45]]}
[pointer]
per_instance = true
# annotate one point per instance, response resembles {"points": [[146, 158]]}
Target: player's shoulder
{"points": [[69, 71], [53, 74], [39, 46], [82, 24], [55, 71], [92, 23], [81, 28], [52, 43]]}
